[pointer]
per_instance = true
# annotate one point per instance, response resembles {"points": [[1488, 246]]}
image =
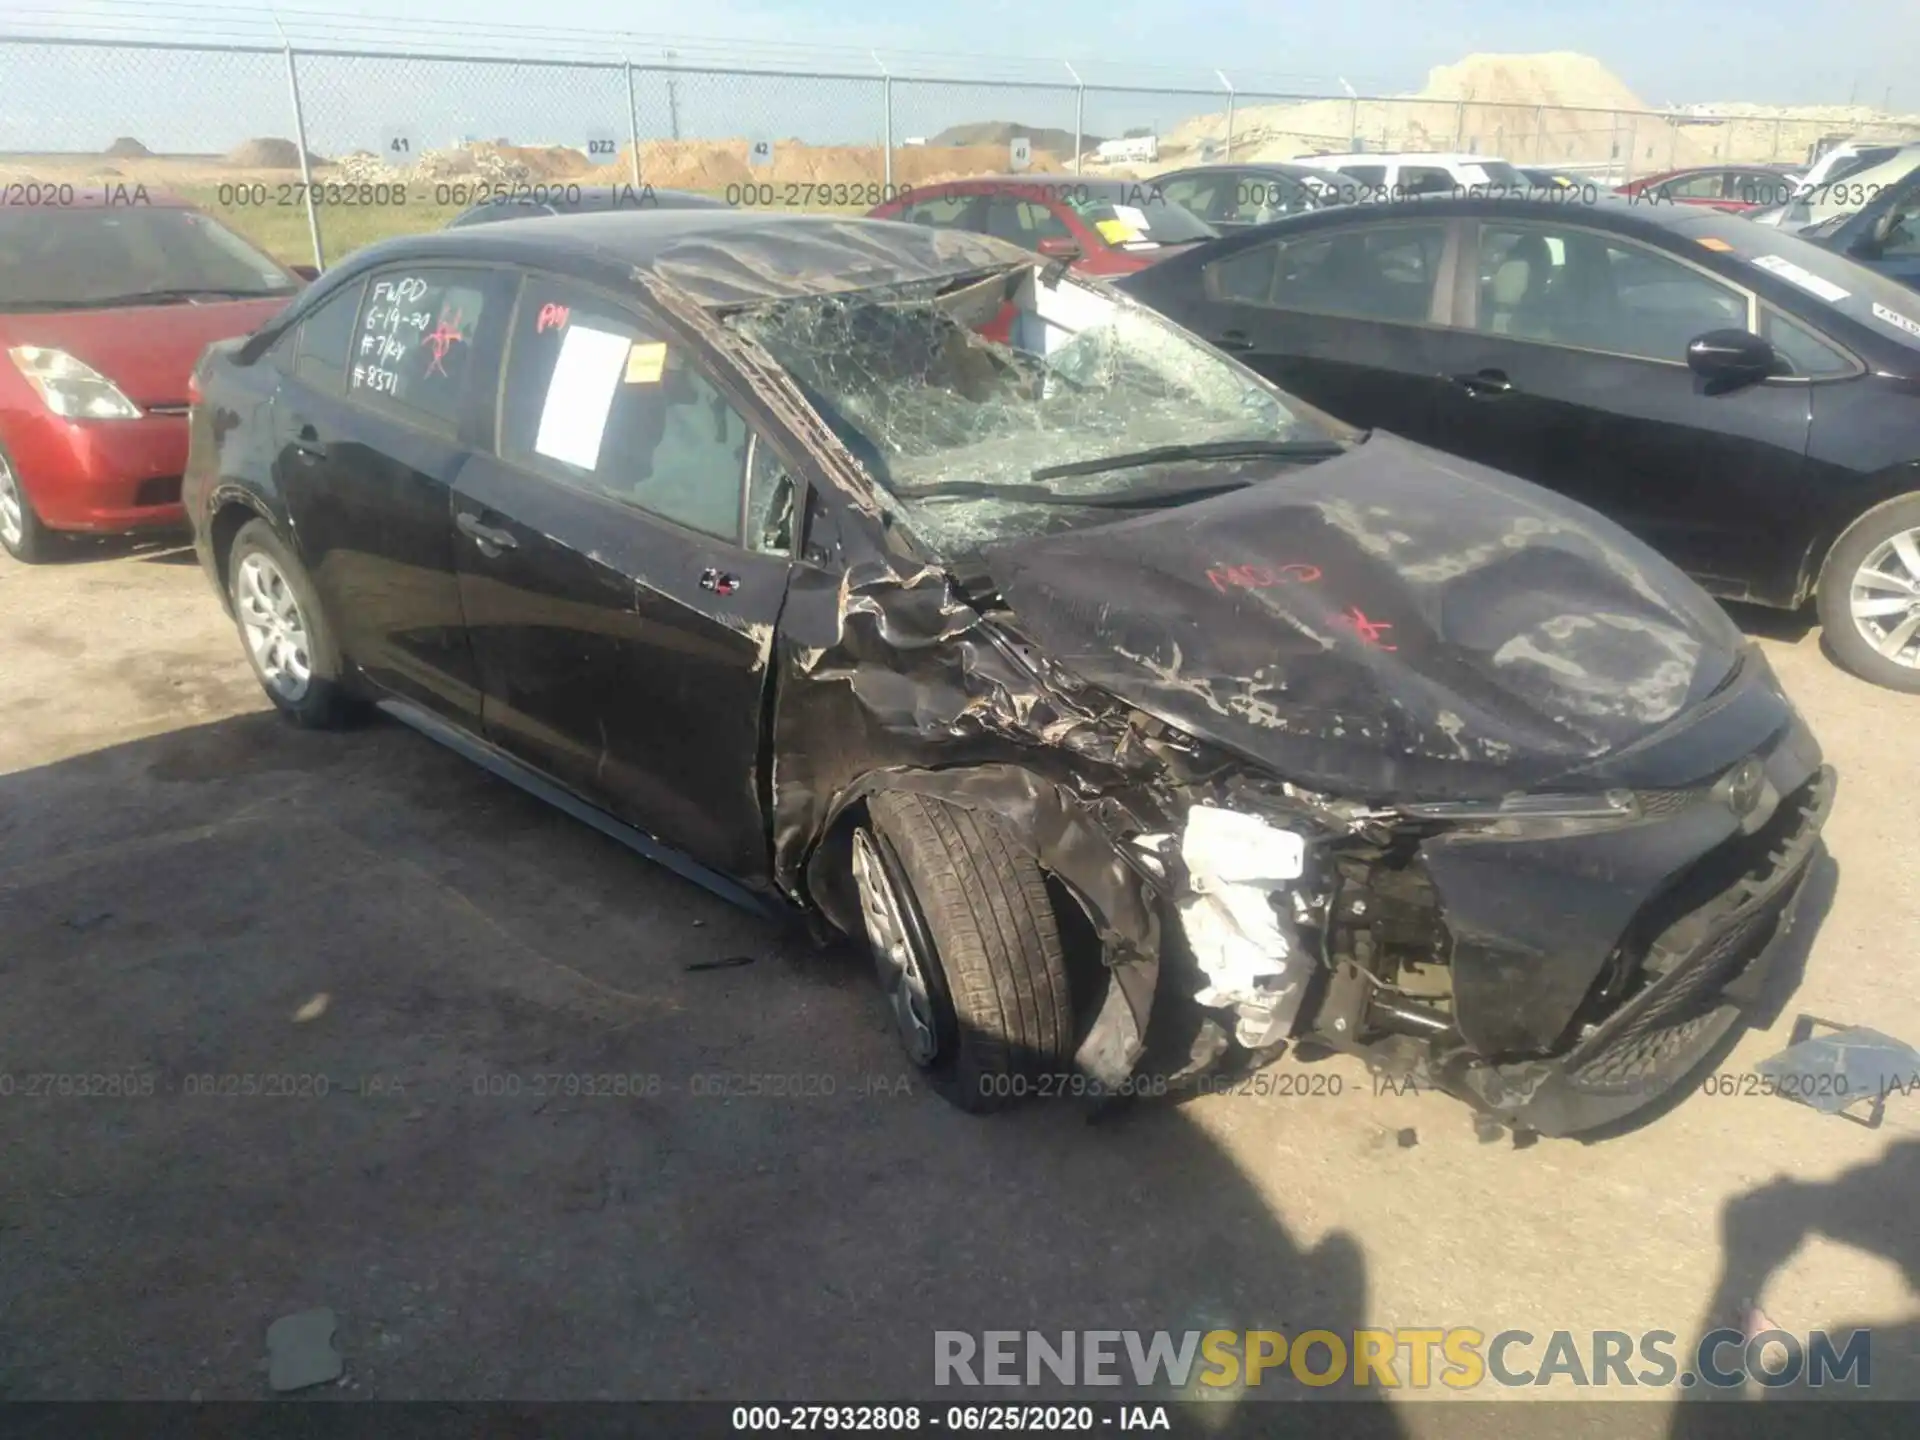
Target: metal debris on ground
{"points": [[1842, 1069], [301, 1352]]}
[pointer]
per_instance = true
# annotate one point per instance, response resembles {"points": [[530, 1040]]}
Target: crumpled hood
{"points": [[1392, 624]]}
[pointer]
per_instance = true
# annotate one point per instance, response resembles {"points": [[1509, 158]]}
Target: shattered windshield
{"points": [[1005, 406]]}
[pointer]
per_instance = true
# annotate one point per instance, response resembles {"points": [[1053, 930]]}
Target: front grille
{"points": [[160, 490], [1666, 802], [1671, 1022]]}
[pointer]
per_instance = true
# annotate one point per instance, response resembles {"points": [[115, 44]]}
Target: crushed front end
{"points": [[1557, 961]]}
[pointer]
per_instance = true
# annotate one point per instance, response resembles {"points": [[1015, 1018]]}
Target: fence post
{"points": [[886, 123], [1228, 157], [306, 167], [1353, 121], [1613, 146], [1775, 156], [633, 122], [1459, 124], [1539, 132], [1079, 115]]}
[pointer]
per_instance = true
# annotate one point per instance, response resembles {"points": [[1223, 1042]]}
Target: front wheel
{"points": [[968, 949], [21, 533], [286, 635], [1870, 596]]}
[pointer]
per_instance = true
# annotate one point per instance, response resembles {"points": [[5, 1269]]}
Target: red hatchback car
{"points": [[1105, 227], [107, 298], [1724, 187]]}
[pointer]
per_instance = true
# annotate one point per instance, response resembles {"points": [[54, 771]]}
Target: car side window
{"points": [[1196, 193], [317, 350], [1425, 180], [413, 347], [1903, 228], [1378, 272], [597, 398], [1024, 222], [1708, 185], [1809, 356], [772, 497], [947, 212], [1588, 291], [1258, 198], [1759, 187], [1373, 176]]}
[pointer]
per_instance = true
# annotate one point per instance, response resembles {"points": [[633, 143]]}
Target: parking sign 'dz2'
{"points": [[1136, 716]]}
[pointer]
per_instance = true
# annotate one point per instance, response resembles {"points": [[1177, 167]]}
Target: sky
{"points": [[1669, 52]]}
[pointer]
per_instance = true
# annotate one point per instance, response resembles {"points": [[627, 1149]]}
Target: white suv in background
{"points": [[1396, 176]]}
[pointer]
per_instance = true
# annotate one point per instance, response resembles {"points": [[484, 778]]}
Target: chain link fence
{"points": [[315, 152]]}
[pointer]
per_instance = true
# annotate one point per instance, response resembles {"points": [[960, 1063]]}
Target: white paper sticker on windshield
{"points": [[1805, 279], [585, 376], [1895, 318]]}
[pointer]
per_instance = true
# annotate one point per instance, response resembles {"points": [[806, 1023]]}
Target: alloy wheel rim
{"points": [[903, 975], [1885, 599], [276, 631], [13, 519]]}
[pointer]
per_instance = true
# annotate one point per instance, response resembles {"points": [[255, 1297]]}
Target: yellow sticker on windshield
{"points": [[1116, 232], [1712, 242], [645, 362]]}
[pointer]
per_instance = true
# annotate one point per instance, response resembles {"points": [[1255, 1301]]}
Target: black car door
{"points": [[1568, 367], [369, 449], [1342, 316], [620, 577]]}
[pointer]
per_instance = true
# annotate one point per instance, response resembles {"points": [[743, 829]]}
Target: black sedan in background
{"points": [[1747, 402], [525, 202], [1136, 714]]}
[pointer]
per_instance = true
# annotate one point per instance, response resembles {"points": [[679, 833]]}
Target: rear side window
{"points": [[1384, 272], [1372, 175], [413, 346], [325, 339], [599, 399]]}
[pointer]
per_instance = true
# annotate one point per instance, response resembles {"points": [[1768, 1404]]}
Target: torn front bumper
{"points": [[1709, 960]]}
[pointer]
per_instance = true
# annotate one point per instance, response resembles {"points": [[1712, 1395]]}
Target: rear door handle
{"points": [[720, 582], [1233, 340], [1484, 382], [490, 540]]}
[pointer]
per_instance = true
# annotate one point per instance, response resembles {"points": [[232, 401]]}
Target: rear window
{"points": [[76, 257]]}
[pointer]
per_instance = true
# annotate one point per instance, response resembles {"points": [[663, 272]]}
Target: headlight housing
{"points": [[72, 388]]}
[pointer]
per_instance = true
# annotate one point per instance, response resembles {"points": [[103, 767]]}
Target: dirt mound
{"points": [[1552, 107], [267, 153], [127, 148], [714, 165]]}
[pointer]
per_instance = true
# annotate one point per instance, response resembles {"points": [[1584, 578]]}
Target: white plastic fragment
{"points": [[1237, 936], [1234, 849]]}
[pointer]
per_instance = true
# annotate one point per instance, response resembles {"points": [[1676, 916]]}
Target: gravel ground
{"points": [[191, 888]]}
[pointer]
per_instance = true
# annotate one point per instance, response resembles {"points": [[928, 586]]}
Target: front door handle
{"points": [[1233, 340], [719, 582], [490, 540], [1484, 382]]}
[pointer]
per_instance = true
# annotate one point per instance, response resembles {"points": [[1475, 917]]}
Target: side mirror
{"points": [[1059, 247], [1731, 357], [306, 272]]}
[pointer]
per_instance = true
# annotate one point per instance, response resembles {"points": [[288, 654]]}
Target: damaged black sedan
{"points": [[1140, 717]]}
